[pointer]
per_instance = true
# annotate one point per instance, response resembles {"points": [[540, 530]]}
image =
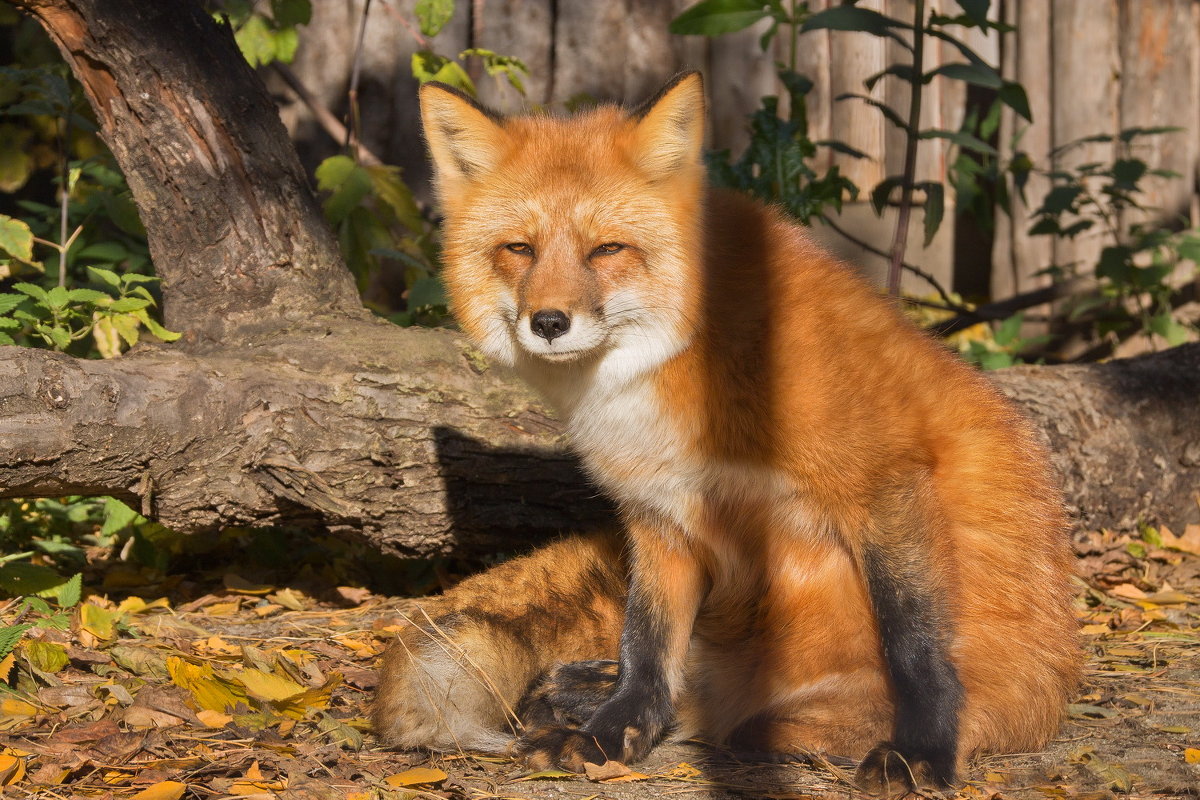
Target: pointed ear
{"points": [[464, 138], [670, 127]]}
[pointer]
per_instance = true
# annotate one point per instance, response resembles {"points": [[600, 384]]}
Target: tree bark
{"points": [[286, 403]]}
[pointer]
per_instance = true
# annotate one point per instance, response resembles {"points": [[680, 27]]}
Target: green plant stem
{"points": [[910, 150], [64, 191]]}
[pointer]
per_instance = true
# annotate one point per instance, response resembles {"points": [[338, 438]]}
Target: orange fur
{"points": [[762, 416]]}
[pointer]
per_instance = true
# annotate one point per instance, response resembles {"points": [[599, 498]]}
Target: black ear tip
{"points": [[679, 77]]}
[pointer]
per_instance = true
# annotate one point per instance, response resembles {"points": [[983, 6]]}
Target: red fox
{"points": [[838, 537]]}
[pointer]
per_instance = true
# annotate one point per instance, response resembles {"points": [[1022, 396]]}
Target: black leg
{"points": [[914, 629]]}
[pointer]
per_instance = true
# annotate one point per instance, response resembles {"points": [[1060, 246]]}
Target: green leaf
{"points": [[962, 139], [853, 18], [10, 635], [715, 17], [426, 292], [46, 656], [881, 193], [1009, 330], [977, 74], [103, 275], [432, 15], [902, 71], [1060, 199], [126, 304], [19, 578], [6, 339], [117, 516], [348, 183], [10, 301], [1165, 326], [427, 66], [935, 206], [61, 337], [153, 326], [976, 10], [1127, 172], [884, 109], [287, 41], [1013, 95], [70, 593], [15, 238], [256, 40], [87, 296], [290, 13], [57, 298]]}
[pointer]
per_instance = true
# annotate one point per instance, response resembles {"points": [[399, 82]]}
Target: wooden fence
{"points": [[1089, 66]]}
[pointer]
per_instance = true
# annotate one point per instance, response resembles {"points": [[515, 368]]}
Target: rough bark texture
{"points": [[286, 403], [233, 228]]}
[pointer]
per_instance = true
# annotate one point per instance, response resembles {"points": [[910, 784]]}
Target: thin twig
{"points": [[324, 117], [395, 14], [64, 195], [1004, 309], [951, 305], [352, 132], [910, 150]]}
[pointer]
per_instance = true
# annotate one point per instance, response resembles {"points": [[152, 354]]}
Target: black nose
{"points": [[550, 324]]}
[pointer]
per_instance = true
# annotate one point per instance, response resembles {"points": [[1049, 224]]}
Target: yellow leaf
{"points": [[416, 777], [223, 609], [6, 665], [1192, 755], [217, 645], [12, 769], [12, 707], [207, 689], [213, 719], [298, 706], [99, 622], [136, 605], [46, 656], [236, 583], [266, 685], [163, 790], [1094, 630], [288, 598], [683, 770]]}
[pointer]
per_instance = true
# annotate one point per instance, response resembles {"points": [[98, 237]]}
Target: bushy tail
{"points": [[455, 674]]}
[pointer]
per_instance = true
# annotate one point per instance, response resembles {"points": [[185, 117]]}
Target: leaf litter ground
{"points": [[213, 683]]}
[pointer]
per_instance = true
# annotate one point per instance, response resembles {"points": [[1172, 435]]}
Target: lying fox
{"points": [[838, 538]]}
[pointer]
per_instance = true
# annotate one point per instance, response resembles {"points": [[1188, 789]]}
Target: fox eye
{"points": [[608, 248], [520, 247]]}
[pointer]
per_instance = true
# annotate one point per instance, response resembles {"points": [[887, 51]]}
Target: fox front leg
{"points": [[665, 587], [910, 595]]}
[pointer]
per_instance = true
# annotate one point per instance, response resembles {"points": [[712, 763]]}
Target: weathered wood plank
{"points": [[739, 74], [1026, 57], [852, 58], [812, 61], [590, 50], [1158, 58], [1086, 72]]}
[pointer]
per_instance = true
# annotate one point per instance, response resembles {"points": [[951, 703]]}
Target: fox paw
{"points": [[567, 695], [566, 748], [888, 772]]}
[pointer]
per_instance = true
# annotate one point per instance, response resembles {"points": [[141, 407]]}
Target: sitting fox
{"points": [[838, 537]]}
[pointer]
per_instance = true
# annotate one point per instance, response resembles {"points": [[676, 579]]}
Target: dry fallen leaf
{"points": [[416, 777], [163, 790]]}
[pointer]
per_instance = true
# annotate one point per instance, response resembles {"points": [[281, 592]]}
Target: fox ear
{"points": [[670, 127], [464, 138]]}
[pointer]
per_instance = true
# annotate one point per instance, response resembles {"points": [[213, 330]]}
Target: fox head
{"points": [[573, 240]]}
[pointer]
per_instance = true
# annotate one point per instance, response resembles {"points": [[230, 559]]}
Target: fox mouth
{"points": [[562, 356]]}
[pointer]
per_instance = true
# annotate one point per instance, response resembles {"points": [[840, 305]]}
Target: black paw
{"points": [[890, 771], [565, 748], [567, 695]]}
